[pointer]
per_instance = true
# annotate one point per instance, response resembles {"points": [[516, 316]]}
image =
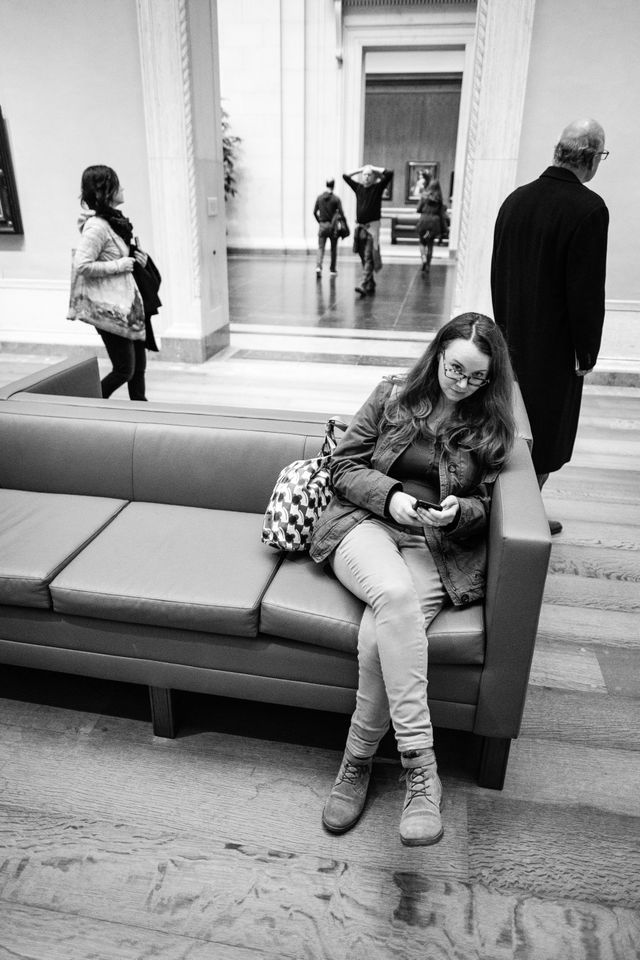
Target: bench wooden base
{"points": [[162, 715], [493, 762]]}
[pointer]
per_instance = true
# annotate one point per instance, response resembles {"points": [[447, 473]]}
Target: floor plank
{"points": [[620, 670], [601, 563], [594, 486], [603, 519], [585, 591], [566, 666], [575, 774], [575, 853], [32, 934], [587, 625], [579, 717]]}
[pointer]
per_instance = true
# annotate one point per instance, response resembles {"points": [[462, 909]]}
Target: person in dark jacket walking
{"points": [[406, 532], [325, 209], [430, 226], [547, 282], [366, 236]]}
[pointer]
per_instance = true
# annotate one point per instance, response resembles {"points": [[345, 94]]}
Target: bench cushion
{"points": [[172, 566], [39, 534], [304, 602]]}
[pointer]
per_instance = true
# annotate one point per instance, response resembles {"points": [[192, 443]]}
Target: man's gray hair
{"points": [[578, 151]]}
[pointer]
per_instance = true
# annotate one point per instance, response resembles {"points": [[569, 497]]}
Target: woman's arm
{"points": [[352, 476], [92, 244], [473, 513]]}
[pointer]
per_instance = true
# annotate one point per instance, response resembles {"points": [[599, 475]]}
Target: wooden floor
{"points": [[120, 846]]}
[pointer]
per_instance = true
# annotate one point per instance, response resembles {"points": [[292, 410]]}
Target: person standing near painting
{"points": [[366, 236], [431, 223]]}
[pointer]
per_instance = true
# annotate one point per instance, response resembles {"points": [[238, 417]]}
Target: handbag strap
{"points": [[330, 443]]}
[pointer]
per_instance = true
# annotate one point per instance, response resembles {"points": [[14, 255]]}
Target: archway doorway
{"points": [[411, 126]]}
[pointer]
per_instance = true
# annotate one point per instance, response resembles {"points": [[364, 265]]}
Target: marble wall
{"points": [[136, 89]]}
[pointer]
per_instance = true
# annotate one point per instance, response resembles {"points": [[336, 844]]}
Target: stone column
{"points": [[181, 91], [292, 113], [502, 44]]}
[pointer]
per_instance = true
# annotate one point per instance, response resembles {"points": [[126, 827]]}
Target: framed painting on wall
{"points": [[10, 220], [416, 169]]}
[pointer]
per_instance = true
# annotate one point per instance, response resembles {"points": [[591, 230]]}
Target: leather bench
{"points": [[130, 550]]}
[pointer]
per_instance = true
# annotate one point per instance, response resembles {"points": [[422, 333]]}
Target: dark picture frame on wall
{"points": [[414, 169], [10, 219], [387, 193]]}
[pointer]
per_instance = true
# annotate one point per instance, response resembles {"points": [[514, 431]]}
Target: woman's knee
{"points": [[397, 598]]}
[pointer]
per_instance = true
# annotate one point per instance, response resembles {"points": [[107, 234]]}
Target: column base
{"points": [[194, 349]]}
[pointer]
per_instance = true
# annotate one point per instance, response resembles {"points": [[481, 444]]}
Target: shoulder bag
{"points": [[302, 491], [339, 226], [111, 302]]}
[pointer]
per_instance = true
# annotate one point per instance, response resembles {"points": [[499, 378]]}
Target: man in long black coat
{"points": [[547, 283]]}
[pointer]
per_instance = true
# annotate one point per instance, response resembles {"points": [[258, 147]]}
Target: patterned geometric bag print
{"points": [[302, 492]]}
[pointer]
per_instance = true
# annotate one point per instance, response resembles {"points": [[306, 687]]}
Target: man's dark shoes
{"points": [[348, 795], [555, 527], [361, 291]]}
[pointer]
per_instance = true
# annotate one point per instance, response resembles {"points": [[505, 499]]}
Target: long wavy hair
{"points": [[98, 188], [483, 422], [434, 192]]}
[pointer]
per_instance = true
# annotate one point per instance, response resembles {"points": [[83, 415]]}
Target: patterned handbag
{"points": [[302, 492]]}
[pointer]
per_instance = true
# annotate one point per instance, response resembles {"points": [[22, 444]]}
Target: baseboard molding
{"points": [[628, 306]]}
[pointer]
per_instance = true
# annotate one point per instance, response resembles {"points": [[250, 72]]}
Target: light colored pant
{"points": [[392, 570]]}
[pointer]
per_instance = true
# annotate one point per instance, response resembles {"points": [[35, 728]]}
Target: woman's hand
{"points": [[402, 509], [141, 257], [439, 518], [126, 264]]}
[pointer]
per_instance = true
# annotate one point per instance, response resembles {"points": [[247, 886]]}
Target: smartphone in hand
{"points": [[427, 505]]}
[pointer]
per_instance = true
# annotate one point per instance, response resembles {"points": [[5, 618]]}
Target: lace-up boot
{"points": [[421, 824], [348, 795]]}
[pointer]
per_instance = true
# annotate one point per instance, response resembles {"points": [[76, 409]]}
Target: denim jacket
{"points": [[362, 488]]}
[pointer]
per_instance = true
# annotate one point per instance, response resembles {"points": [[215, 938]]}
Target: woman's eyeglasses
{"points": [[453, 371]]}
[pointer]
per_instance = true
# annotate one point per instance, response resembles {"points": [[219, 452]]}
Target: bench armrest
{"points": [[519, 546], [69, 378]]}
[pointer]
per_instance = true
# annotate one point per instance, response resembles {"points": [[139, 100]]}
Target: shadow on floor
{"points": [[458, 752]]}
